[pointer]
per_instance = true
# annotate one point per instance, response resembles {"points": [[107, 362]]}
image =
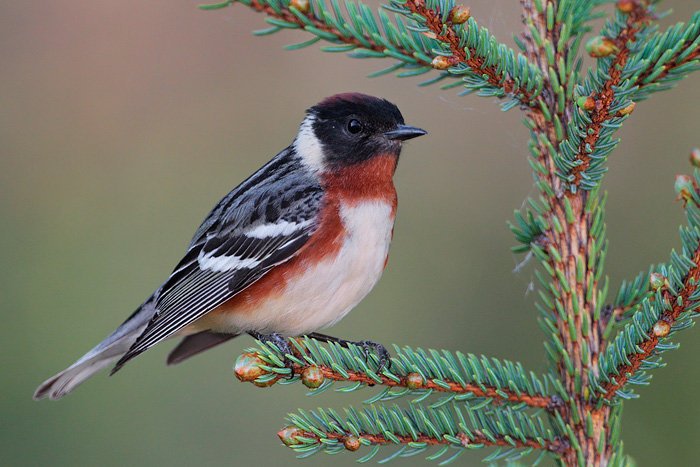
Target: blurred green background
{"points": [[122, 123]]}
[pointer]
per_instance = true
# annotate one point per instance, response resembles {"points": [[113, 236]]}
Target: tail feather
{"points": [[196, 343], [67, 380], [101, 356]]}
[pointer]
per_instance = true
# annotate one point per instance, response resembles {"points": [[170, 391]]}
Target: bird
{"points": [[288, 252]]}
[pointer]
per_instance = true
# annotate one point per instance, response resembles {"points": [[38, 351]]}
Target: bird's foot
{"points": [[381, 351], [368, 346], [281, 343]]}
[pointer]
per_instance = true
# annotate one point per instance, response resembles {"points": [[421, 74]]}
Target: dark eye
{"points": [[354, 127]]}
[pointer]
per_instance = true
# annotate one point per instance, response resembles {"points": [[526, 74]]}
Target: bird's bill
{"points": [[404, 132]]}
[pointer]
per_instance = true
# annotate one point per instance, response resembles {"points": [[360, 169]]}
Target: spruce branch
{"points": [[633, 62], [418, 428], [484, 59], [669, 58], [572, 245], [638, 346], [415, 373], [604, 99], [629, 299], [357, 31], [432, 39], [300, 440]]}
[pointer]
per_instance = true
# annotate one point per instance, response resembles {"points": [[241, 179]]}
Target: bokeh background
{"points": [[122, 123]]}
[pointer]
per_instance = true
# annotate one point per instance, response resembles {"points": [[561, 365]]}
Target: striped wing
{"points": [[260, 224]]}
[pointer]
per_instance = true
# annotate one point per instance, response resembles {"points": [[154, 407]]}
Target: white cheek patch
{"points": [[308, 146]]}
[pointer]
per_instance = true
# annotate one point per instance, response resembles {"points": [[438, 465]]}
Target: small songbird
{"points": [[288, 252]]}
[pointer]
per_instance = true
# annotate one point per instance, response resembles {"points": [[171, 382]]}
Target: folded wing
{"points": [[262, 223]]}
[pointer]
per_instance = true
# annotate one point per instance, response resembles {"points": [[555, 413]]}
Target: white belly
{"points": [[327, 291]]}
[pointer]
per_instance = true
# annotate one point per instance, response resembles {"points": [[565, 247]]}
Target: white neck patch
{"points": [[308, 146]]}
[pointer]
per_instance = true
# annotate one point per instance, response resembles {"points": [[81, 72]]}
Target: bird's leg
{"points": [[280, 342], [382, 352]]}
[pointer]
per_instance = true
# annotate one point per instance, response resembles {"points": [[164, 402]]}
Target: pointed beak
{"points": [[404, 132]]}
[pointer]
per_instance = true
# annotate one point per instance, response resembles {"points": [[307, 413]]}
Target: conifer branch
{"points": [[615, 316], [680, 61], [411, 372], [291, 437], [603, 100], [446, 32], [629, 300], [432, 39], [571, 246], [312, 23], [456, 426], [647, 348], [669, 310], [360, 35], [670, 58]]}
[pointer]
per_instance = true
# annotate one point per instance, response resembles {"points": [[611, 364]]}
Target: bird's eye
{"points": [[354, 127]]}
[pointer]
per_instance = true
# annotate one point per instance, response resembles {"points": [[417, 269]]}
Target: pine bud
{"points": [[351, 443], [247, 367], [414, 381], [289, 434], [695, 157], [312, 377], [460, 14], [656, 280], [626, 6], [684, 186], [600, 46], [302, 5], [441, 63], [661, 328], [627, 110], [586, 103]]}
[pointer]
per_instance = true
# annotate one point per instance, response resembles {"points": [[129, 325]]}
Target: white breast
{"points": [[327, 291]]}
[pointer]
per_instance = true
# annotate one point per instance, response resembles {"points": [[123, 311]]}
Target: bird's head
{"points": [[348, 129]]}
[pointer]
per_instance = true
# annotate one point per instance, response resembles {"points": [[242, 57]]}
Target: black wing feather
{"points": [[203, 279]]}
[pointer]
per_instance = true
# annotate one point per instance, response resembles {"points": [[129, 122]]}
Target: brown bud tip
{"points": [[627, 110], [301, 5], [684, 186], [460, 14], [626, 6], [599, 46], [661, 329], [289, 434], [695, 157], [586, 103], [429, 34], [441, 63], [351, 443], [656, 280], [247, 367], [312, 377], [414, 381]]}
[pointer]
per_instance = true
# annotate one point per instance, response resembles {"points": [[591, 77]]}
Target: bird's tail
{"points": [[103, 355]]}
